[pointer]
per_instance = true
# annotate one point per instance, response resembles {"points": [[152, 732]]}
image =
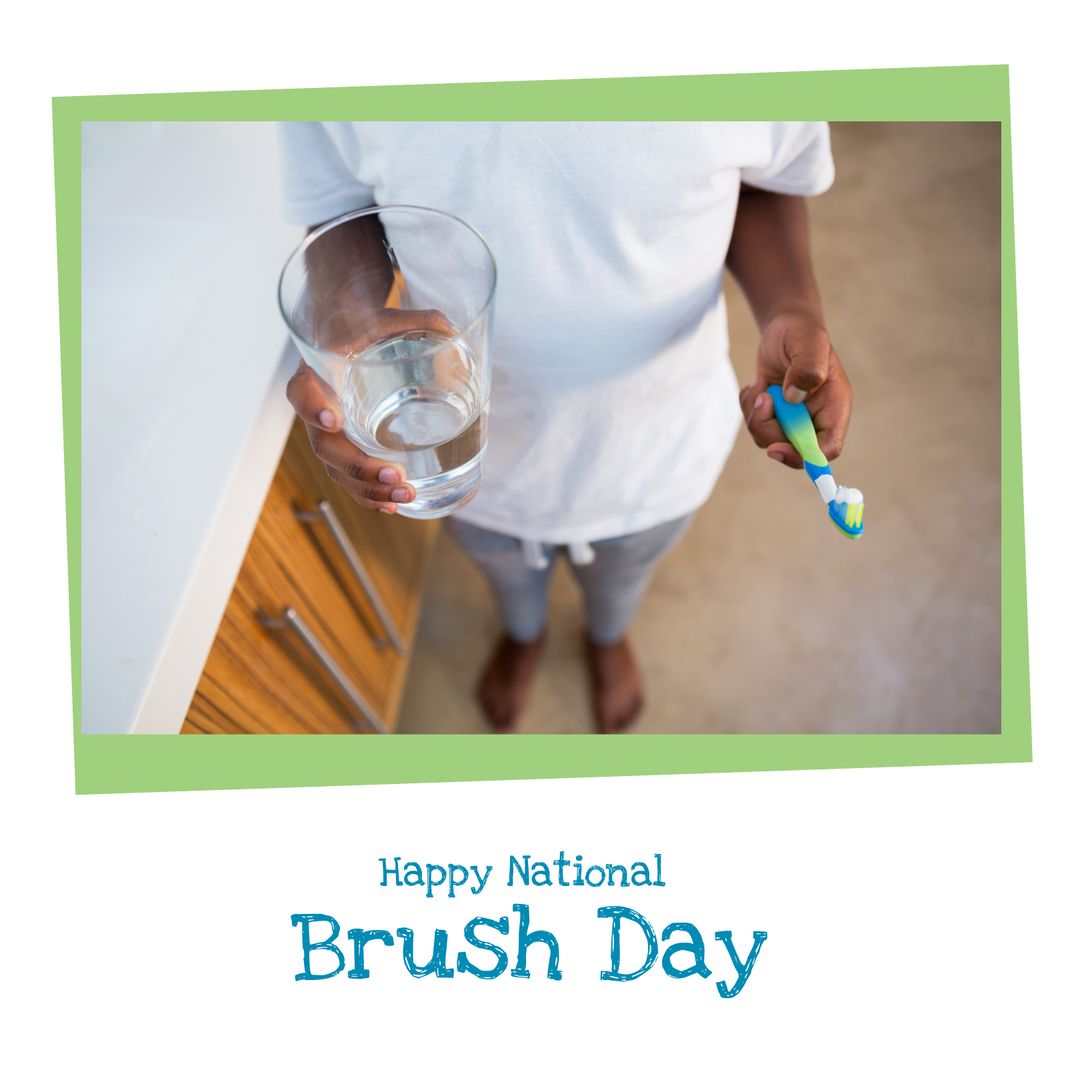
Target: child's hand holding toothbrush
{"points": [[798, 407], [796, 353]]}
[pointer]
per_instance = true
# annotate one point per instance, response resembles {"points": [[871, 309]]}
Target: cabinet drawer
{"points": [[259, 678], [394, 550]]}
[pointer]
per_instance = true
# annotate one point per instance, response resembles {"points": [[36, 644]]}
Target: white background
{"points": [[921, 921], [183, 241]]}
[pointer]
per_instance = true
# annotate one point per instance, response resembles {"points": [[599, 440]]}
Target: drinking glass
{"points": [[392, 308]]}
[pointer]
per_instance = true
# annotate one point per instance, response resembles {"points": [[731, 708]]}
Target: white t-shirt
{"points": [[613, 404]]}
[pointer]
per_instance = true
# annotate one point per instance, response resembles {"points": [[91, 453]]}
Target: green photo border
{"points": [[115, 763]]}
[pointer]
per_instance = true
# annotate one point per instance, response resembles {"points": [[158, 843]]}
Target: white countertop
{"points": [[184, 414]]}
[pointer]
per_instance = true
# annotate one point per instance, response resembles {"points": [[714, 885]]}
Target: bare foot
{"points": [[618, 693], [504, 685]]}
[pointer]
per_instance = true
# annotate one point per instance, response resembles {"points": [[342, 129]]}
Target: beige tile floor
{"points": [[764, 619]]}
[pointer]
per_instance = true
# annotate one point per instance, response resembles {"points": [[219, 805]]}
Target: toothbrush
{"points": [[845, 504]]}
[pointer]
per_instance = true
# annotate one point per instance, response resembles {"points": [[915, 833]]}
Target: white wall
{"points": [[182, 245]]}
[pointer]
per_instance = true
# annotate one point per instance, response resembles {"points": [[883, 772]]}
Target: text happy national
{"points": [[451, 878]]}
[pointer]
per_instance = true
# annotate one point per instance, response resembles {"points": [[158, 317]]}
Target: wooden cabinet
{"points": [[316, 634]]}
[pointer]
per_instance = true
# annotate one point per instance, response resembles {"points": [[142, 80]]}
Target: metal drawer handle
{"points": [[289, 619], [325, 514]]}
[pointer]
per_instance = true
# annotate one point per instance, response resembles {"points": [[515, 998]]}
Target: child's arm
{"points": [[769, 256]]}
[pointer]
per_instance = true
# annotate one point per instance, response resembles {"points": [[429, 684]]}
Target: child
{"points": [[614, 404]]}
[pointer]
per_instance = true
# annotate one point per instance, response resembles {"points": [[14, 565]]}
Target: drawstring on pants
{"points": [[537, 558]]}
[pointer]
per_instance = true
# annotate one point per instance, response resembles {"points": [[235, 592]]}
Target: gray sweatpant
{"points": [[612, 585]]}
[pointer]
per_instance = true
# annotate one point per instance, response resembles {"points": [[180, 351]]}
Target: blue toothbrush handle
{"points": [[796, 423]]}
